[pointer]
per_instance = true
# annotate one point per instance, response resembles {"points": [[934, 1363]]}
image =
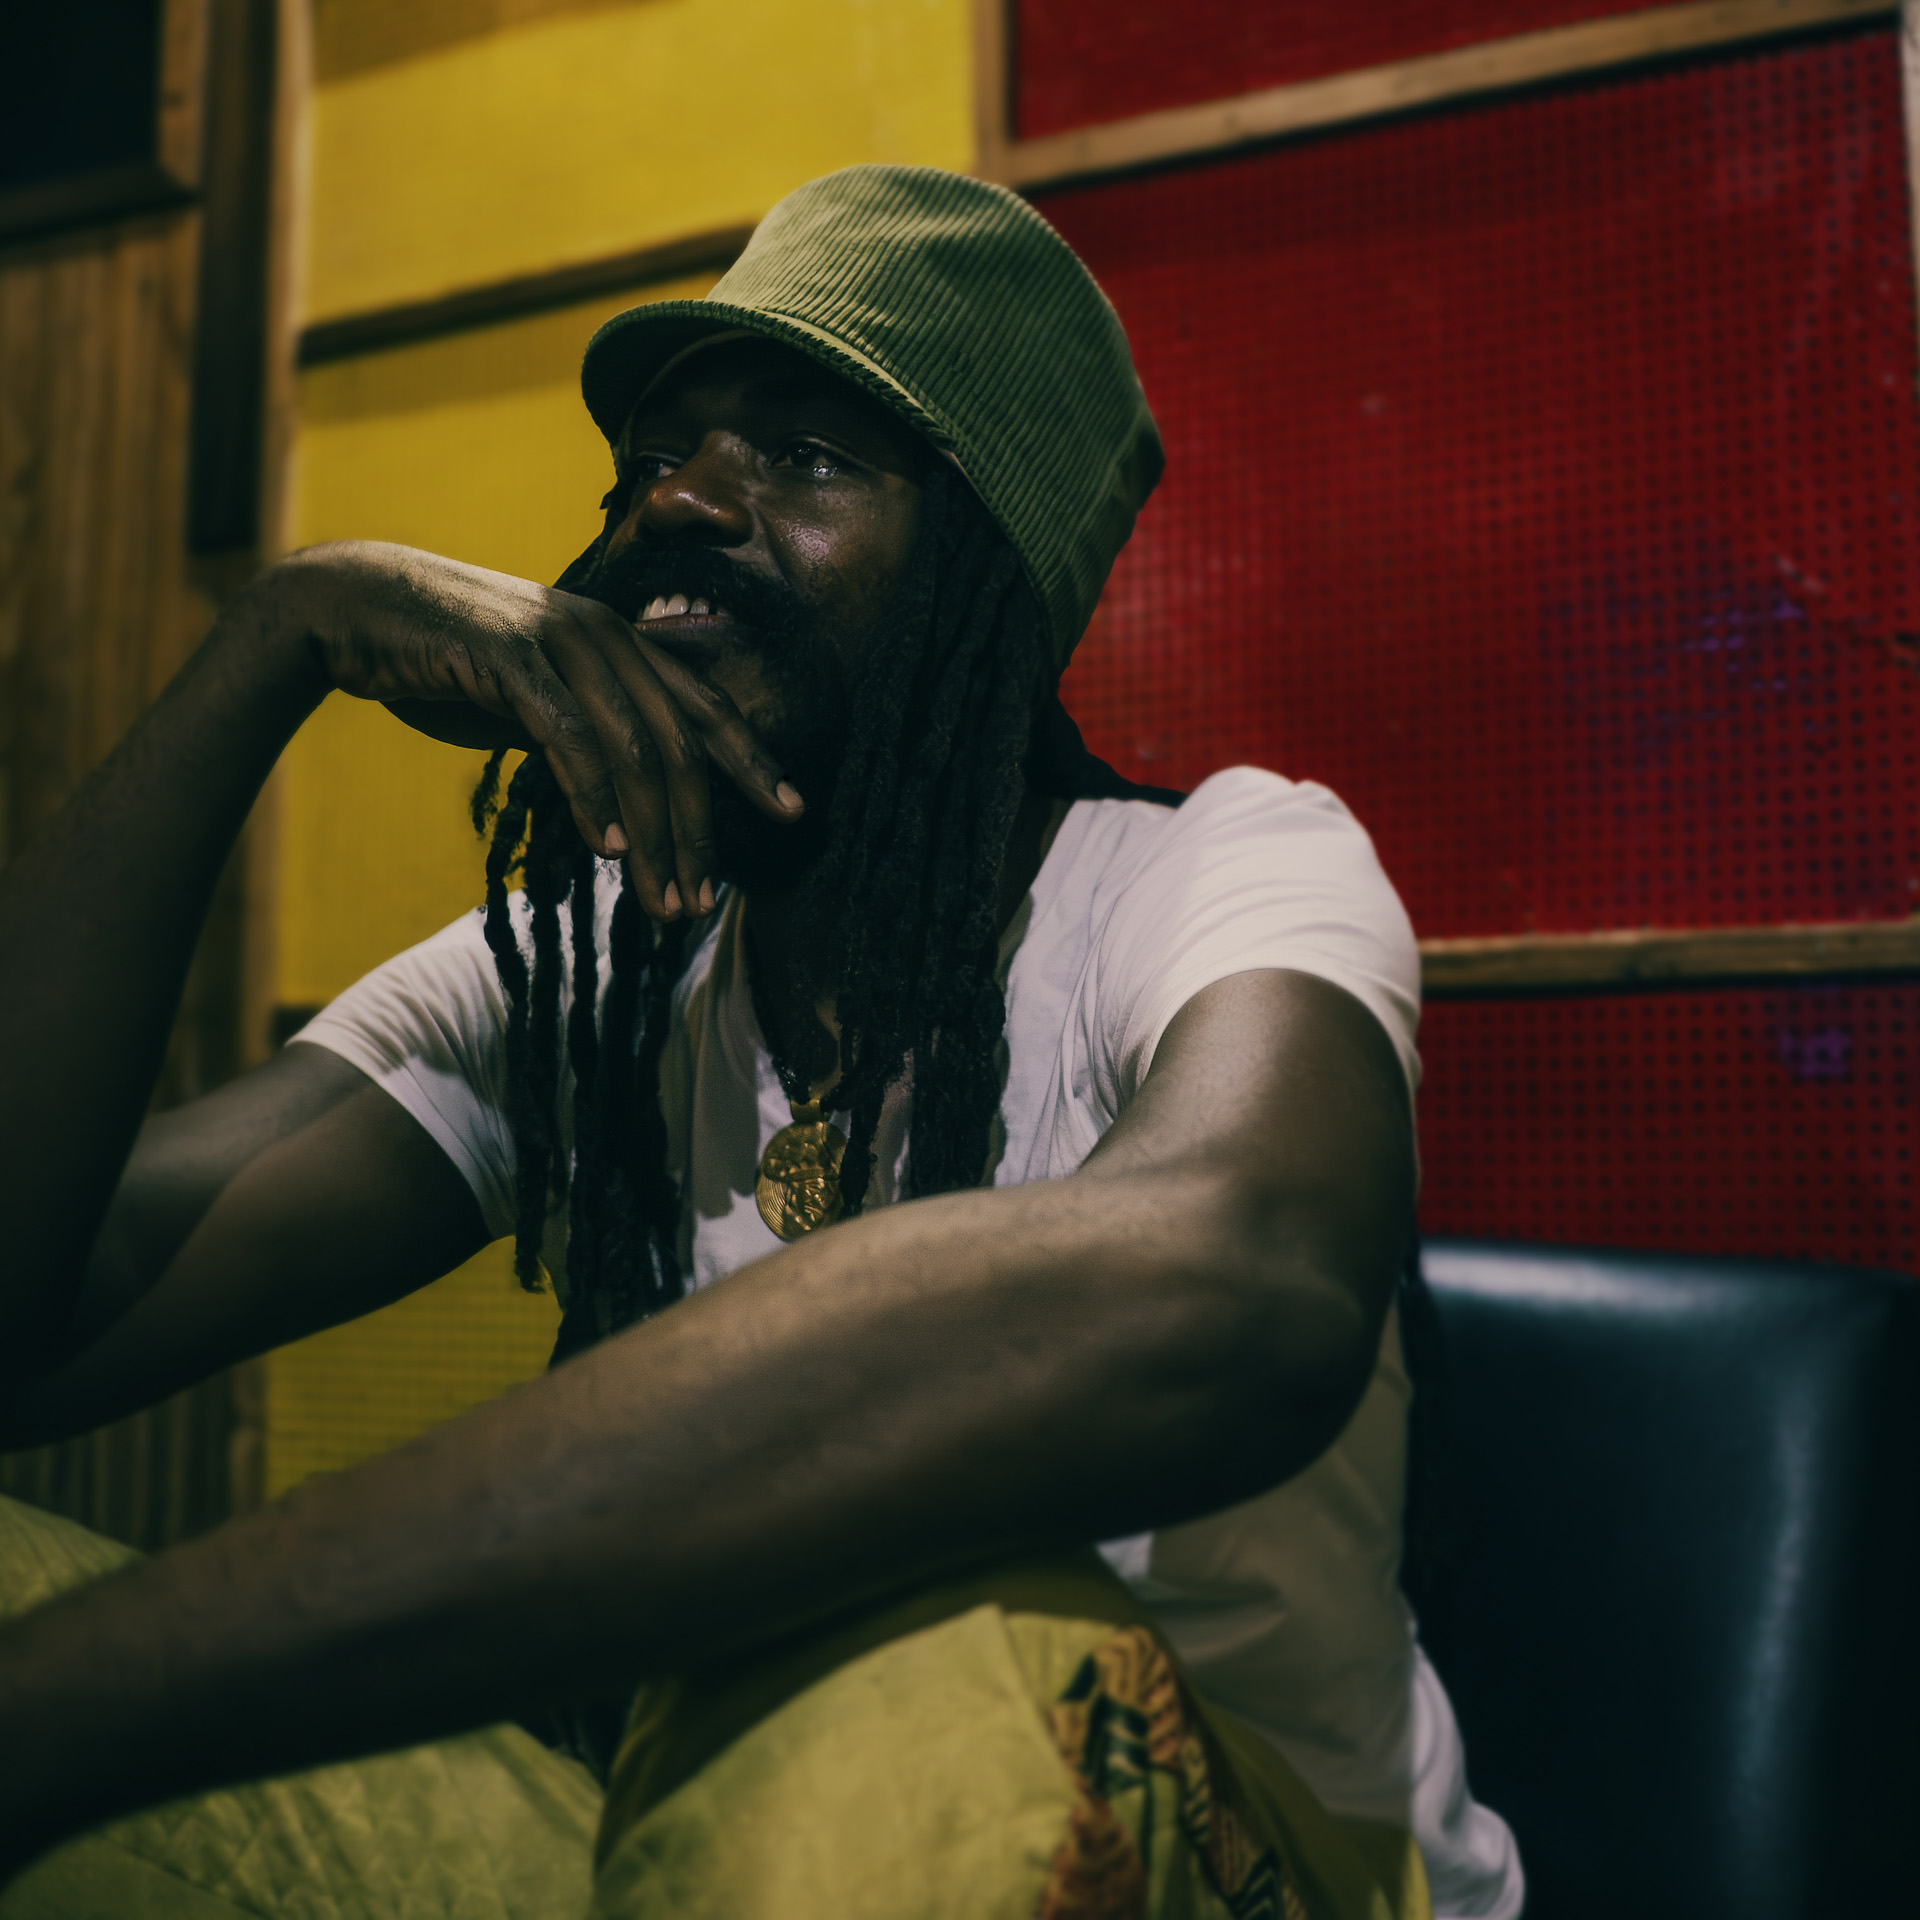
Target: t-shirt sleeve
{"points": [[1252, 872], [429, 1028]]}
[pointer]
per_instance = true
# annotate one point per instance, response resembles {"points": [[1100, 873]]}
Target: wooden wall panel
{"points": [[99, 604], [91, 334]]}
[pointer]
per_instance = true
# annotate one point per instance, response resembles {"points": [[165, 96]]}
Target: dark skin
{"points": [[1188, 1319]]}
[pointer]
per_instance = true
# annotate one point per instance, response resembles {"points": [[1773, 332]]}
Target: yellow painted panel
{"points": [[451, 155], [376, 851], [366, 1388], [349, 36]]}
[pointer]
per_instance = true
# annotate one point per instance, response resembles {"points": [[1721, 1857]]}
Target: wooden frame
{"points": [[1668, 957], [1910, 104], [226, 438], [1404, 86], [171, 179], [484, 306]]}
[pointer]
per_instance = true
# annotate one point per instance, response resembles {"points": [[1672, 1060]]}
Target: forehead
{"points": [[747, 383]]}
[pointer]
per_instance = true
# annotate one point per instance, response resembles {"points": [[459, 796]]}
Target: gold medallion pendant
{"points": [[799, 1185]]}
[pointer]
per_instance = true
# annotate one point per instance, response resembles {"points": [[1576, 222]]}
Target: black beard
{"points": [[806, 727]]}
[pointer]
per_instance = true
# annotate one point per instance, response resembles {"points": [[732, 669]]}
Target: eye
{"points": [[814, 456], [638, 470]]}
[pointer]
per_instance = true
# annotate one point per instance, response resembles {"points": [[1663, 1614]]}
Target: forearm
{"points": [[935, 1384], [98, 921]]}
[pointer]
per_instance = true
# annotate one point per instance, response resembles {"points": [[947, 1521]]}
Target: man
{"points": [[1142, 1070]]}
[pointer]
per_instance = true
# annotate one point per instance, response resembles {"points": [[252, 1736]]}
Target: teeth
{"points": [[665, 606]]}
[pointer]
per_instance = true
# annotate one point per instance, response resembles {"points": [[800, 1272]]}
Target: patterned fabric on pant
{"points": [[1000, 1766], [993, 1763]]}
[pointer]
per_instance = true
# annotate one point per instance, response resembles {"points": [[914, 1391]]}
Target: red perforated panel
{"points": [[1542, 477], [1077, 62], [1717, 1122]]}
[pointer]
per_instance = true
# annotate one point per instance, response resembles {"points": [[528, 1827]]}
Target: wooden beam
{"points": [[485, 306], [230, 338], [1910, 105], [1652, 957], [1371, 93], [183, 72], [992, 87], [90, 200]]}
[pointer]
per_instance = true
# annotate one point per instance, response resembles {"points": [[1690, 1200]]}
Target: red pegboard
{"points": [[1078, 62], [1542, 477], [1722, 1121]]}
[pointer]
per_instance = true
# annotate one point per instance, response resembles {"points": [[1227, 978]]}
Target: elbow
{"points": [[1302, 1309]]}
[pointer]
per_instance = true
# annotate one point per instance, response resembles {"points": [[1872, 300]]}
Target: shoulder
{"points": [[1253, 871], [1255, 801], [1247, 826], [1239, 805]]}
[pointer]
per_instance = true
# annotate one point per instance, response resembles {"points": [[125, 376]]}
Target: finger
{"points": [[730, 742], [641, 764], [607, 648], [556, 726]]}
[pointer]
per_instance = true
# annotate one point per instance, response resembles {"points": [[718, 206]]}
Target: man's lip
{"points": [[701, 622], [704, 635]]}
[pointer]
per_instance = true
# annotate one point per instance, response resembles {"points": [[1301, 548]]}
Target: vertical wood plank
{"points": [[1910, 104], [183, 61], [223, 504], [22, 528], [992, 87]]}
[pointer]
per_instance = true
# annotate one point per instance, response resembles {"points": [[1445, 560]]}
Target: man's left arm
{"points": [[1187, 1320]]}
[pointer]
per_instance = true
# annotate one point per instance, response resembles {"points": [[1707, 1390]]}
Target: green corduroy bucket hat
{"points": [[955, 303]]}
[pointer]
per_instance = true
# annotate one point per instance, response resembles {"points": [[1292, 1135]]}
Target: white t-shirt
{"points": [[1286, 1609]]}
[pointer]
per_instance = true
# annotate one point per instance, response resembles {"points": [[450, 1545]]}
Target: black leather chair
{"points": [[1676, 1516]]}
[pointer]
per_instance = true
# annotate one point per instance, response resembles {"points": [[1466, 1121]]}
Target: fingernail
{"points": [[788, 796], [615, 839], [706, 896], [672, 898]]}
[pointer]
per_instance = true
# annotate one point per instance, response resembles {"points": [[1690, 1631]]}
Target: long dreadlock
{"points": [[917, 831]]}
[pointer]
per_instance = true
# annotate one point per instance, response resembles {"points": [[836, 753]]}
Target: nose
{"points": [[704, 500]]}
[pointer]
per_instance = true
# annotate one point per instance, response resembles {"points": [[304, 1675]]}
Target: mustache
{"points": [[640, 572]]}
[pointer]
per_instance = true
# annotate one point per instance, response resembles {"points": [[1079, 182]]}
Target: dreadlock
{"points": [[942, 728]]}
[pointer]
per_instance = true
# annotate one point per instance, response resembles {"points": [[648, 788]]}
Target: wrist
{"points": [[273, 630]]}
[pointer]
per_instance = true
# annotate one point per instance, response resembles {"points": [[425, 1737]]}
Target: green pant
{"points": [[487, 1827], [1012, 1745]]}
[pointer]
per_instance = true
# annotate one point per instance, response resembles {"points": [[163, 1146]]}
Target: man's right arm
{"points": [[146, 1253], [302, 1194], [98, 921]]}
